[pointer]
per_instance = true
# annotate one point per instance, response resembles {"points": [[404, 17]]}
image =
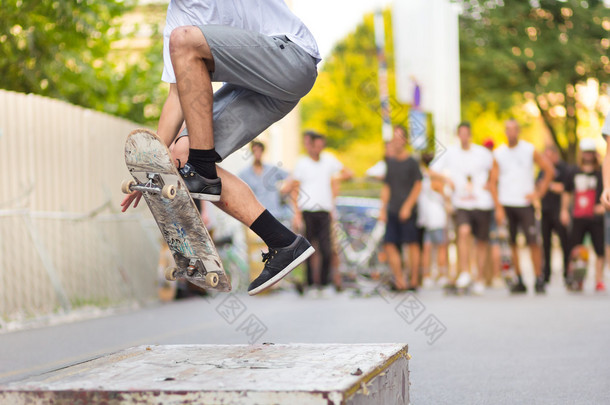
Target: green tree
{"points": [[63, 49], [540, 51], [344, 103]]}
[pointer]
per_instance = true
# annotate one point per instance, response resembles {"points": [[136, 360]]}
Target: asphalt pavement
{"points": [[493, 349]]}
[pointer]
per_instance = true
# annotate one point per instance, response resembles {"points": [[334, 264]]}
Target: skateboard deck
{"points": [[179, 221], [577, 268], [507, 269]]}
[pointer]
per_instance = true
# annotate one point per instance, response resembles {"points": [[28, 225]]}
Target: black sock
{"points": [[271, 231], [204, 162]]}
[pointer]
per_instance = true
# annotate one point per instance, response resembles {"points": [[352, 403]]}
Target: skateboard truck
{"points": [[195, 270], [154, 185]]}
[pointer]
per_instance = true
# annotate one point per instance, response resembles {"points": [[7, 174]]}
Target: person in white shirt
{"points": [[266, 58], [314, 201], [517, 191], [433, 205], [469, 168]]}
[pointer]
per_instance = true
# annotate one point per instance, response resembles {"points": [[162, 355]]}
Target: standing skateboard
{"points": [[507, 268], [452, 289], [577, 268], [154, 174]]}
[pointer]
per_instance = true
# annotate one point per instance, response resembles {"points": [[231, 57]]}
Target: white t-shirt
{"points": [[469, 172], [315, 192], [431, 212], [378, 170], [516, 178], [606, 127], [268, 17]]}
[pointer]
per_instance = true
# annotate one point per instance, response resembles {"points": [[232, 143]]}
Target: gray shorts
{"points": [[265, 77]]}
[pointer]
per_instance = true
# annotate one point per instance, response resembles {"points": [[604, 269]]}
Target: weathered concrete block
{"points": [[292, 374]]}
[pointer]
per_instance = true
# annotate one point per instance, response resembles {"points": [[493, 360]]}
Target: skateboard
{"points": [[507, 269], [170, 202], [453, 289], [577, 268]]}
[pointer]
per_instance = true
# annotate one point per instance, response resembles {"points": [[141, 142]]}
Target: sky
{"points": [[331, 20]]}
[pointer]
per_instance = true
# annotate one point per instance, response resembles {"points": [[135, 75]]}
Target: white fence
{"points": [[63, 241]]}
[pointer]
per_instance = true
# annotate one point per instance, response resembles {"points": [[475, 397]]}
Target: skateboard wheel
{"points": [[169, 191], [170, 273], [212, 279], [126, 186]]}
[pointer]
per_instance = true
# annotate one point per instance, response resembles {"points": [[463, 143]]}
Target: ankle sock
{"points": [[204, 162], [271, 231]]}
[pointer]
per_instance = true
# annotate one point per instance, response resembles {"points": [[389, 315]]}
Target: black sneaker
{"points": [[199, 186], [540, 286], [279, 262], [518, 288]]}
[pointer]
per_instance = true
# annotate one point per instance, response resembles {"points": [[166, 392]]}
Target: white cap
{"points": [[588, 145]]}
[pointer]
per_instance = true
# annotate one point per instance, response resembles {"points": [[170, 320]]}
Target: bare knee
{"points": [[464, 232], [189, 40], [180, 38]]}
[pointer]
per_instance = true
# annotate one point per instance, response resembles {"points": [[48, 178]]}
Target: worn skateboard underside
{"points": [[178, 218]]}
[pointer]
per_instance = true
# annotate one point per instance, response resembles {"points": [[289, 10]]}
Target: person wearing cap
{"points": [[583, 190], [517, 192], [551, 208]]}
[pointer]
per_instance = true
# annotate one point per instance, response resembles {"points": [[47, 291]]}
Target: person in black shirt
{"points": [[551, 207], [399, 194], [583, 190]]}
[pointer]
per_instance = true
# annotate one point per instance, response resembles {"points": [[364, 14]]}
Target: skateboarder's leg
{"points": [[193, 61], [238, 200], [273, 67], [266, 77]]}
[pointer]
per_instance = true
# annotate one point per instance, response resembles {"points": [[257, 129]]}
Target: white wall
{"points": [[63, 242], [426, 47]]}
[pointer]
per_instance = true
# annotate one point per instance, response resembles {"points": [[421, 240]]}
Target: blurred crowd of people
{"points": [[471, 195], [484, 194]]}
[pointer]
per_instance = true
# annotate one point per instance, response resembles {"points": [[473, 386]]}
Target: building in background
{"points": [[426, 48]]}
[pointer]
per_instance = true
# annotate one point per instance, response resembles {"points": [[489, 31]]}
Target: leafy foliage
{"points": [[542, 50], [344, 103], [63, 49]]}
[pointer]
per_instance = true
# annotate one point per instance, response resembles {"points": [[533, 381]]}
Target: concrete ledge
{"points": [[227, 374]]}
